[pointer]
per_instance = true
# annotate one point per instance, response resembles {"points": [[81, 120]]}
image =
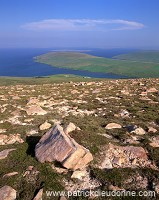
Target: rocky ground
{"points": [[116, 120]]}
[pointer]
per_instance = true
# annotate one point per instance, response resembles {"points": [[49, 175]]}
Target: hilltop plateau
{"points": [[114, 122]]}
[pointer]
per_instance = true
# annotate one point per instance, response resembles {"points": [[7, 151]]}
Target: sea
{"points": [[21, 63]]}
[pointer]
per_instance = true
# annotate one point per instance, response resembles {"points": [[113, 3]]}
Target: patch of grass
{"points": [[19, 160], [142, 56], [115, 176], [88, 136], [43, 80]]}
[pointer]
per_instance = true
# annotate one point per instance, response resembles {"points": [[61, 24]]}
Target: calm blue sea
{"points": [[20, 63]]}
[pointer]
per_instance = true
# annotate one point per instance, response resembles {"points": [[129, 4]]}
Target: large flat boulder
{"points": [[55, 145]]}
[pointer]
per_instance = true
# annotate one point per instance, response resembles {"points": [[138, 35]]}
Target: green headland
{"points": [[139, 65]]}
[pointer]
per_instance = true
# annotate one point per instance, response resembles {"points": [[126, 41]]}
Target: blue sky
{"points": [[79, 23]]}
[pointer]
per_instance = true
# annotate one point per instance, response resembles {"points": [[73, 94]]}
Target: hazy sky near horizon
{"points": [[79, 23]]}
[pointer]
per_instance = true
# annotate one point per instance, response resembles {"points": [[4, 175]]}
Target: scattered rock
{"points": [[10, 174], [31, 175], [124, 156], [28, 120], [136, 182], [15, 120], [135, 129], [32, 132], [35, 110], [152, 130], [56, 122], [7, 193], [79, 174], [125, 92], [32, 101], [154, 142], [114, 188], [139, 131], [4, 153], [84, 183], [113, 125], [106, 164], [106, 135], [152, 90], [59, 170], [124, 113], [16, 113], [10, 139], [15, 98], [55, 145], [39, 195], [3, 130], [71, 127], [63, 198], [131, 140], [45, 126], [157, 188], [30, 168]]}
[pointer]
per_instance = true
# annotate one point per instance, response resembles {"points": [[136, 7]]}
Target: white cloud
{"points": [[83, 25]]}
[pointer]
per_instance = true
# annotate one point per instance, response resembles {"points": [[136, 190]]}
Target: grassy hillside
{"points": [[91, 106], [81, 61], [143, 56], [43, 80]]}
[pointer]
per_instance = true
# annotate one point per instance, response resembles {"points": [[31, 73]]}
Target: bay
{"points": [[20, 63]]}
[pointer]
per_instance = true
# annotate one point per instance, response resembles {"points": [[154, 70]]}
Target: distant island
{"points": [[143, 64]]}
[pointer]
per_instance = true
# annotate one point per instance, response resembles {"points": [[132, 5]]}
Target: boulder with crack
{"points": [[55, 145]]}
